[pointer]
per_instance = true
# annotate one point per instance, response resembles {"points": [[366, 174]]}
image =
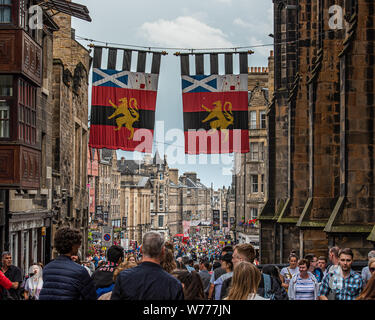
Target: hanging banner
{"points": [[123, 102], [216, 220], [215, 107], [225, 219]]}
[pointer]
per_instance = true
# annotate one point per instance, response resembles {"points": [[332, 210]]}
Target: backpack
{"points": [[267, 287]]}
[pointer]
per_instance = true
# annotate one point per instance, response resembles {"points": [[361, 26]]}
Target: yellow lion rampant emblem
{"points": [[129, 112], [224, 117]]}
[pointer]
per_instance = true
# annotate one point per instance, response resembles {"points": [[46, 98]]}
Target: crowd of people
{"points": [[184, 271]]}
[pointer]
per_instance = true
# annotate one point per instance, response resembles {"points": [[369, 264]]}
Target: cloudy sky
{"points": [[194, 24]]}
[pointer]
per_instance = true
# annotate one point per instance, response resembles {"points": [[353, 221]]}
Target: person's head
{"points": [[115, 254], [226, 250], [243, 252], [180, 265], [153, 245], [6, 259], [216, 265], [185, 260], [245, 281], [191, 283], [271, 270], [312, 259], [196, 267], [131, 258], [322, 263], [293, 259], [226, 262], [168, 262], [35, 271], [191, 262], [67, 241], [334, 254], [371, 254], [346, 259], [371, 265], [303, 266], [204, 264]]}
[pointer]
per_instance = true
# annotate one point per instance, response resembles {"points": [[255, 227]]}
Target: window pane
{"points": [[253, 119], [5, 14], [4, 120], [263, 119], [6, 86], [161, 221]]}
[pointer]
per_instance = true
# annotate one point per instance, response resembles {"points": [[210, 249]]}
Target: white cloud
{"points": [[241, 23], [185, 32]]}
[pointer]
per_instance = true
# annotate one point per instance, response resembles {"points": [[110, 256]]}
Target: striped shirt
{"points": [[304, 289]]}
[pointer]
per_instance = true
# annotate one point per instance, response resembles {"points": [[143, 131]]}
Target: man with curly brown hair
{"points": [[63, 279]]}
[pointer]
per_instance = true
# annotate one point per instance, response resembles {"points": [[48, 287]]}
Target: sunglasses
{"points": [[372, 269]]}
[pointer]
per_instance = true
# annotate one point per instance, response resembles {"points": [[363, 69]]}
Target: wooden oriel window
{"points": [[5, 11], [26, 112]]}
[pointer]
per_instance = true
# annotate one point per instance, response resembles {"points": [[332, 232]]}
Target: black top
{"points": [[63, 279], [14, 274], [148, 281]]}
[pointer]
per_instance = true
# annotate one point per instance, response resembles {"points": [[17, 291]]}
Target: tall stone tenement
{"points": [[71, 68], [321, 132]]}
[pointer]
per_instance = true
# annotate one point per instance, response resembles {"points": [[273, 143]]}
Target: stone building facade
{"points": [[195, 203], [33, 197], [154, 197], [321, 132], [135, 201], [71, 66], [251, 173]]}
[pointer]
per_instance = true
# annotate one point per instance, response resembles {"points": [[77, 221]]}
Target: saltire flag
{"points": [[123, 104], [215, 107]]}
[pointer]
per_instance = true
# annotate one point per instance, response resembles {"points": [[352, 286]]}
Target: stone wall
{"points": [[321, 132]]}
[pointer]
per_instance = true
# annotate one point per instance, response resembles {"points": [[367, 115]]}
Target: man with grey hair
{"points": [[13, 273], [148, 281], [366, 274]]}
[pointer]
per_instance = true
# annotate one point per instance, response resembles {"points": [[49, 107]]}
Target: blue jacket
{"points": [[63, 279], [148, 281]]}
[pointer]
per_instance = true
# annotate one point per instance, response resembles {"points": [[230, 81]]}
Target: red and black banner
{"points": [[215, 106], [123, 103]]}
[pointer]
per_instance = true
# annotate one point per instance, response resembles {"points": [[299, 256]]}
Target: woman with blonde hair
{"points": [[168, 262], [245, 282]]}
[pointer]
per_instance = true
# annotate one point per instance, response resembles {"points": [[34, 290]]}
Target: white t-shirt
{"points": [[284, 272], [34, 287]]}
